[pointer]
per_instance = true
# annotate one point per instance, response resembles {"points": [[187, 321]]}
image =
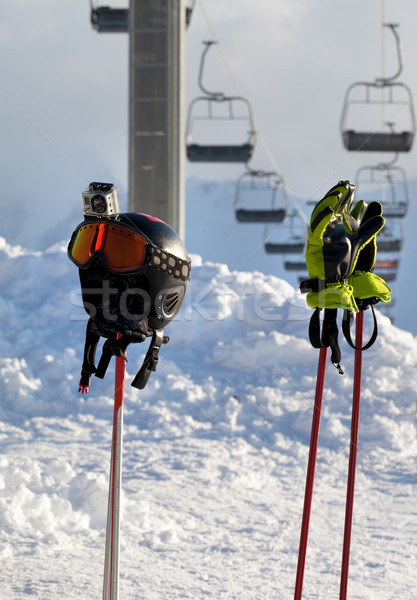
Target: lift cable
{"points": [[239, 91]]}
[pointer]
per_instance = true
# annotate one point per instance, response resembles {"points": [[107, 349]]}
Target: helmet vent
{"points": [[170, 302]]}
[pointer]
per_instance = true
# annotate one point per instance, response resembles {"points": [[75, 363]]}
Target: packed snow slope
{"points": [[215, 448]]}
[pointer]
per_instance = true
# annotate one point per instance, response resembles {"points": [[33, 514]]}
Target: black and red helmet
{"points": [[134, 271]]}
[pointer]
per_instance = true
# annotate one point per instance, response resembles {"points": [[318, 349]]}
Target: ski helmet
{"points": [[134, 271]]}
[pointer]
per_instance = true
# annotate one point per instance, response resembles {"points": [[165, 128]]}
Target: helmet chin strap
{"points": [[116, 346], [151, 359]]}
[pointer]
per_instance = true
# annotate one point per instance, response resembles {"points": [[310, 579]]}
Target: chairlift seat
{"points": [[267, 215], [390, 276], [110, 20], [295, 265], [395, 211], [378, 142], [389, 245], [284, 247], [219, 153], [386, 264]]}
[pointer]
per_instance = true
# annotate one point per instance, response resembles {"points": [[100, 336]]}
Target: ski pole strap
{"points": [[312, 285], [151, 359], [346, 323], [112, 348], [328, 337], [88, 366]]}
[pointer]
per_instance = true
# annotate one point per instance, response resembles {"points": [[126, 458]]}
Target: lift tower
{"points": [[156, 98]]}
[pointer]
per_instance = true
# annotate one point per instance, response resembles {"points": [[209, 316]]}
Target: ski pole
{"points": [[308, 494], [111, 559], [352, 456]]}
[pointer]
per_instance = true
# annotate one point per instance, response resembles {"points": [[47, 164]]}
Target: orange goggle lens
{"points": [[123, 249]]}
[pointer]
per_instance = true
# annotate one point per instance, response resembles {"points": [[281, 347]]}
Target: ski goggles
{"points": [[122, 250]]}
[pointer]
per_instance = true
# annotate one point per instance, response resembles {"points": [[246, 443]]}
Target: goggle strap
{"points": [[169, 263]]}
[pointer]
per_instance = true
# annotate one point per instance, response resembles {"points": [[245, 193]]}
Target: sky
{"points": [[63, 96], [63, 88]]}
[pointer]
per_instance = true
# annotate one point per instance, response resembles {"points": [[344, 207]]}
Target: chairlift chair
{"points": [[391, 237], [387, 269], [109, 20], [386, 183], [267, 193], [295, 246], [215, 108], [388, 95], [297, 265], [295, 242], [388, 276], [389, 245], [386, 264]]}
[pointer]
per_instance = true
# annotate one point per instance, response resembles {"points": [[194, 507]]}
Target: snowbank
{"points": [[215, 447]]}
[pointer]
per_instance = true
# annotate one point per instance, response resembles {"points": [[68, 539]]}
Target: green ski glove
{"points": [[368, 288], [333, 248]]}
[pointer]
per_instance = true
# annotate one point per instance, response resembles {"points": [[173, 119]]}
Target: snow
{"points": [[215, 448]]}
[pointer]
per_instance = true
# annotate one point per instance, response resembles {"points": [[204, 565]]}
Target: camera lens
{"points": [[98, 204]]}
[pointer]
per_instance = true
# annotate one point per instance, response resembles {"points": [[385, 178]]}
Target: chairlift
{"points": [[387, 269], [390, 96], [389, 245], [109, 20], [295, 242], [391, 237], [215, 109], [386, 264], [295, 246], [297, 265], [386, 183], [266, 191], [388, 276]]}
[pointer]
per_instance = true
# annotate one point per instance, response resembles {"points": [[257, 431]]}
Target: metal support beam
{"points": [[156, 104], [156, 138]]}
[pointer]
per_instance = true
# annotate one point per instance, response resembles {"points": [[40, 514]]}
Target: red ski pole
{"points": [[352, 456], [111, 560], [308, 495]]}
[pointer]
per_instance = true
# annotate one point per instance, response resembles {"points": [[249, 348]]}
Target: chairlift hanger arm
{"points": [[218, 95], [384, 80]]}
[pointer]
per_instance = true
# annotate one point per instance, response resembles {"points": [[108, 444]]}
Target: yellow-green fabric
{"points": [[342, 238], [368, 285], [334, 295], [332, 205]]}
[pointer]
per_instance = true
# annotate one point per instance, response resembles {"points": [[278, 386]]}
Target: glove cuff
{"points": [[368, 285], [334, 295]]}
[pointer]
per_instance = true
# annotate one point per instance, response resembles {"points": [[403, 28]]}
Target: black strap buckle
{"points": [[151, 359]]}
